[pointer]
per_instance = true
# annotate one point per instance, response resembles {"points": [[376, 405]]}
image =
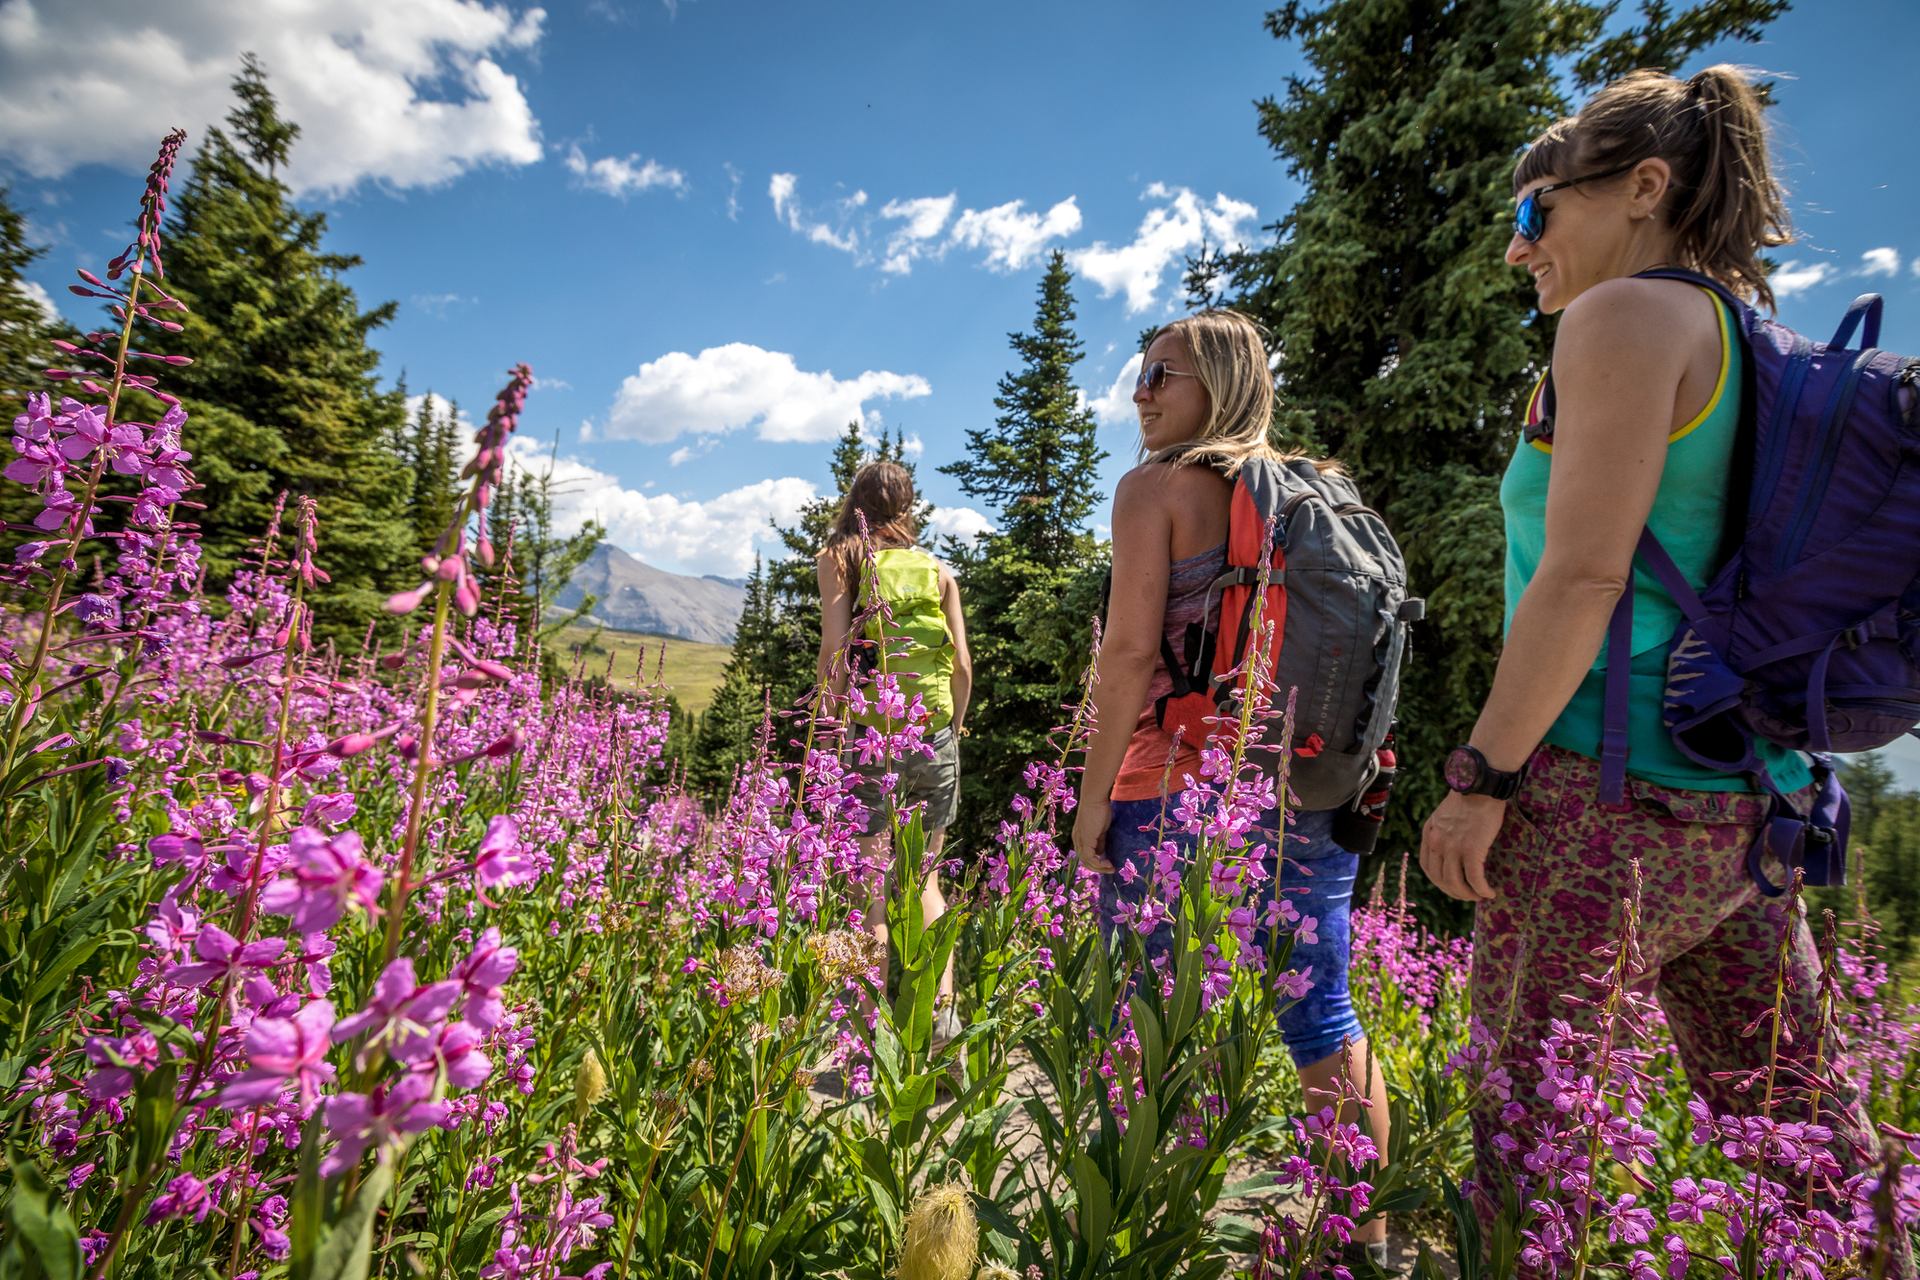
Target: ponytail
{"points": [[1725, 205]]}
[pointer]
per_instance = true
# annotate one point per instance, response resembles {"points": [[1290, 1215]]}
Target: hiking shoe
{"points": [[1367, 1259]]}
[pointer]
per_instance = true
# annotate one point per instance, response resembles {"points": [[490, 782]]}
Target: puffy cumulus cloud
{"points": [[406, 94], [1011, 235], [1793, 278], [1115, 408], [40, 298], [622, 176], [713, 535], [963, 523], [1178, 225], [739, 385], [922, 220], [1884, 261]]}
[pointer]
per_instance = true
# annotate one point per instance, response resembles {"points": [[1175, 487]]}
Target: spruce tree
{"points": [[1405, 346], [283, 392], [729, 731], [1037, 467], [24, 329], [544, 560]]}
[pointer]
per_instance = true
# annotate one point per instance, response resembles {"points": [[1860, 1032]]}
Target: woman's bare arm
{"points": [[962, 682], [836, 621]]}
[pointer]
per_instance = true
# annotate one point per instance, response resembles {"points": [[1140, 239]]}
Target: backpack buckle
{"points": [[1858, 634]]}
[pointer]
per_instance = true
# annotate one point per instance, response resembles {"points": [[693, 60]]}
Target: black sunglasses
{"points": [[1530, 220], [1154, 376]]}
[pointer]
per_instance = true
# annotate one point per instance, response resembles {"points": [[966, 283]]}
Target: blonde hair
{"points": [[883, 493], [1230, 358], [1725, 206]]}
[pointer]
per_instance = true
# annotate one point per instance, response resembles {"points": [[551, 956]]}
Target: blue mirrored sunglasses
{"points": [[1530, 220]]}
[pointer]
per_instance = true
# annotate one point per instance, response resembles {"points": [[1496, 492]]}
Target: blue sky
{"points": [[717, 230]]}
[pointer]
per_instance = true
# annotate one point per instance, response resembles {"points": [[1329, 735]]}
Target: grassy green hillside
{"points": [[692, 669]]}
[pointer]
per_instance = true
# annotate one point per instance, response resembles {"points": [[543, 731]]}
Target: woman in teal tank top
{"points": [[1639, 432]]}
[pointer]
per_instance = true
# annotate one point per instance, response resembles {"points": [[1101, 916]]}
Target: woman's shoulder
{"points": [[1630, 311], [1153, 481]]}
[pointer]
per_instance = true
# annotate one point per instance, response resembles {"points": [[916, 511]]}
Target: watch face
{"points": [[1463, 769]]}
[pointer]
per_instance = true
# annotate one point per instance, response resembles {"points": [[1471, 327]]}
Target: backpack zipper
{"points": [[1833, 429]]}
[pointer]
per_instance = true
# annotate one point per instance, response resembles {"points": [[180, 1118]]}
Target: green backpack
{"points": [[918, 647]]}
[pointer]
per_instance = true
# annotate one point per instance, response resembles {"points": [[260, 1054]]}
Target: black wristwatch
{"points": [[1469, 773]]}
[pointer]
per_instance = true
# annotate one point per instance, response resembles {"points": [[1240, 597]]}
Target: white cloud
{"points": [[715, 535], [1115, 408], [40, 298], [618, 176], [1880, 262], [1180, 224], [436, 304], [1793, 278], [781, 190], [1012, 236], [733, 192], [739, 385], [963, 523], [410, 95], [913, 446], [922, 219]]}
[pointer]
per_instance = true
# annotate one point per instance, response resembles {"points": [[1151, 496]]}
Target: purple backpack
{"points": [[1809, 634]]}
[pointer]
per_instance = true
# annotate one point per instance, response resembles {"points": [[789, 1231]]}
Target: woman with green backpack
{"points": [[889, 606]]}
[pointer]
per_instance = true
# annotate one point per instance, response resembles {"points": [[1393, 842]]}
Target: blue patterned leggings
{"points": [[1316, 876]]}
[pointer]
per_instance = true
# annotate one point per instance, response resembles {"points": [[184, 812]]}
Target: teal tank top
{"points": [[1688, 515]]}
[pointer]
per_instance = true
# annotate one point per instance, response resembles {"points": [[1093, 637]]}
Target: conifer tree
{"points": [[24, 327], [1404, 345], [728, 732], [1037, 467], [283, 392]]}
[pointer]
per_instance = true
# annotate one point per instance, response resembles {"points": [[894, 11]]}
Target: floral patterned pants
{"points": [[1561, 866]]}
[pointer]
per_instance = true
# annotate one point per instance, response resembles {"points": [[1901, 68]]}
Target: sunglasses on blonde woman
{"points": [[1154, 376]]}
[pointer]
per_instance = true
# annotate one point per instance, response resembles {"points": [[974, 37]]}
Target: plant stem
{"points": [[423, 770]]}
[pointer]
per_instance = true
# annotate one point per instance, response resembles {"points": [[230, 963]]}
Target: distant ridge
{"points": [[632, 595]]}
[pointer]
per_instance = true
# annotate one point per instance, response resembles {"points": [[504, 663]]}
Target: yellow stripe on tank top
{"points": [[1713, 401]]}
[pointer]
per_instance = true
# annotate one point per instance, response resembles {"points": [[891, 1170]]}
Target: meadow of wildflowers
{"points": [[408, 962]]}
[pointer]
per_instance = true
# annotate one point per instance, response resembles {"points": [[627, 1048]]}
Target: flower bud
{"points": [[404, 602]]}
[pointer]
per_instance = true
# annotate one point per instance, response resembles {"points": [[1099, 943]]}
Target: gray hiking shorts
{"points": [[933, 782]]}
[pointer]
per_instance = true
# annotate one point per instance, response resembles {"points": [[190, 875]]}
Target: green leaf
{"points": [[347, 1251], [42, 1222], [307, 1205], [1095, 1201], [153, 1112]]}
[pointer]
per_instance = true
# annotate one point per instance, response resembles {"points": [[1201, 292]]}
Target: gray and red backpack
{"points": [[1336, 597]]}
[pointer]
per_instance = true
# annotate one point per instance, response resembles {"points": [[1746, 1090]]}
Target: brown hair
{"points": [[1724, 205], [883, 493]]}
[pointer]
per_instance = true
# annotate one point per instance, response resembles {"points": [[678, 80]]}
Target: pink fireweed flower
{"points": [[379, 1120], [482, 975], [283, 1051], [401, 1011], [222, 954], [501, 860], [328, 873], [185, 1197], [456, 1047]]}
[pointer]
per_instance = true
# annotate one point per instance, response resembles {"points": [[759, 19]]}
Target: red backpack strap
{"points": [[1246, 540]]}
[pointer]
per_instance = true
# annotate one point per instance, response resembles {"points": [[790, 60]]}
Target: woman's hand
{"points": [[1454, 844], [1090, 823]]}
